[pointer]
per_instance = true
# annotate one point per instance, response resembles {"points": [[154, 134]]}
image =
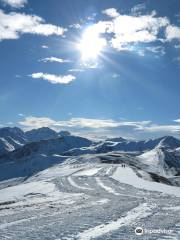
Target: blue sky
{"points": [[92, 67]]}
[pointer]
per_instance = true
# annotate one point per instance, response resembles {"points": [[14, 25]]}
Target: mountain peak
{"points": [[10, 131], [169, 142], [39, 134]]}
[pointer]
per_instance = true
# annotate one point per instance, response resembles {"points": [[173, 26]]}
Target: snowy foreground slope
{"points": [[83, 199], [57, 186]]}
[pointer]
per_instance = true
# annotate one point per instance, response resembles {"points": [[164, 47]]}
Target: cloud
{"points": [[13, 25], [115, 75], [81, 123], [76, 70], [54, 79], [177, 60], [137, 9], [75, 25], [111, 12], [36, 122], [44, 46], [172, 32], [126, 32], [177, 46], [127, 29], [21, 115], [15, 3], [162, 128], [156, 49], [55, 59], [177, 120], [103, 127]]}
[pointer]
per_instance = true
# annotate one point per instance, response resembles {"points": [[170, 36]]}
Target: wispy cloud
{"points": [[75, 25], [21, 115], [44, 46], [107, 127], [115, 75], [177, 120], [76, 70], [177, 46], [54, 79], [162, 128], [13, 25], [111, 12], [137, 9], [80, 123], [36, 122], [55, 59], [15, 3]]}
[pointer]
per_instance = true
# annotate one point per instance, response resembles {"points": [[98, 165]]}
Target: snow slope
{"points": [[128, 176], [86, 201]]}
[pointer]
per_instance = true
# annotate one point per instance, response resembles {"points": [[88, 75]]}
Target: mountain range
{"points": [[25, 153]]}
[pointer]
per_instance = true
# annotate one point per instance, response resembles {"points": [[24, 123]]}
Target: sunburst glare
{"points": [[91, 44]]}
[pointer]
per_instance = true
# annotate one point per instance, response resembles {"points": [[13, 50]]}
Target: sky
{"points": [[94, 67]]}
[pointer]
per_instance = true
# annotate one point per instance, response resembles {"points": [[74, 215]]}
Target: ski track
{"points": [[74, 184], [142, 211], [6, 225], [105, 187], [91, 213]]}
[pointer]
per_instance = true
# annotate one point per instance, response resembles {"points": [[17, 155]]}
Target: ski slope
{"points": [[86, 201]]}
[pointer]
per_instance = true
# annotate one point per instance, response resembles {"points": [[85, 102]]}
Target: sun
{"points": [[91, 44]]}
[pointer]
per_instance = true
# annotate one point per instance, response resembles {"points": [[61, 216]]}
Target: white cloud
{"points": [[13, 25], [111, 12], [76, 70], [36, 122], [100, 127], [44, 46], [162, 128], [21, 115], [177, 120], [75, 25], [54, 78], [137, 9], [128, 29], [15, 3], [55, 59], [156, 49], [172, 32], [80, 123]]}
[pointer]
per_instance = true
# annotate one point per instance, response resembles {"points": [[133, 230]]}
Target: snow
{"points": [[19, 191], [128, 176], [88, 172], [155, 161], [34, 193], [107, 188], [143, 210], [74, 184]]}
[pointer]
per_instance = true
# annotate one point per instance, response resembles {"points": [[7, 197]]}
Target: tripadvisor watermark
{"points": [[141, 231]]}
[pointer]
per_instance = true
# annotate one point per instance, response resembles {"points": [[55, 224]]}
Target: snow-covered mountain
{"points": [[121, 144], [11, 139], [39, 134], [23, 153], [37, 156], [14, 138]]}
